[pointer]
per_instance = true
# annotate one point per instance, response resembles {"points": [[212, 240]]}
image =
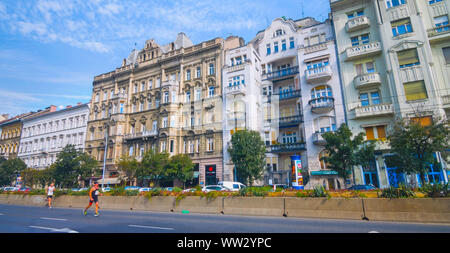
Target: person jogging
{"points": [[93, 197], [49, 191]]}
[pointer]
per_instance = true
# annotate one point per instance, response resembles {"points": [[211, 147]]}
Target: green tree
{"points": [[413, 146], [247, 151], [343, 152], [71, 166], [181, 168], [10, 169], [129, 167], [154, 166]]}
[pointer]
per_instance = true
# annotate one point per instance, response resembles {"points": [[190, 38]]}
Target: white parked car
{"points": [[210, 188], [10, 189], [145, 189], [232, 186]]}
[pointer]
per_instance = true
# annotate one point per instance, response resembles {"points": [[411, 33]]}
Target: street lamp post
{"points": [[104, 155]]}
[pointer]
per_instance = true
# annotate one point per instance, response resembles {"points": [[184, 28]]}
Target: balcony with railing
{"points": [[281, 74], [321, 105], [357, 23], [374, 110], [290, 120], [361, 51], [288, 94], [170, 83], [116, 117], [367, 80], [318, 75], [141, 135], [287, 147], [236, 89], [235, 116], [119, 96], [318, 139]]}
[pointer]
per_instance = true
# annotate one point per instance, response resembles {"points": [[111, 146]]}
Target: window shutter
{"points": [[369, 133], [409, 56], [415, 90]]}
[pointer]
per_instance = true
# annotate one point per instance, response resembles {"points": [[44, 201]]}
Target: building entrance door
{"points": [[331, 185]]}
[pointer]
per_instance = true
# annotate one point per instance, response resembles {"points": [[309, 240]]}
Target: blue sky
{"points": [[50, 50]]}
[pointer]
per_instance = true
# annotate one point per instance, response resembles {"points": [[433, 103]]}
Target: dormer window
{"points": [[279, 32]]}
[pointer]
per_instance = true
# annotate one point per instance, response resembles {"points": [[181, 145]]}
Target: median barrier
{"points": [[411, 210], [324, 208], [254, 206], [195, 204], [430, 210]]}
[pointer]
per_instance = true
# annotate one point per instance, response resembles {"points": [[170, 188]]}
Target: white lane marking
{"points": [[64, 230], [373, 232], [46, 218], [139, 226]]}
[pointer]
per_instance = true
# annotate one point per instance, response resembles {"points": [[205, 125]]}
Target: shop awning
{"points": [[323, 173]]}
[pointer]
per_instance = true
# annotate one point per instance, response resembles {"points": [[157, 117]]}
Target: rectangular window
{"points": [[211, 69], [199, 72], [268, 49], [434, 1], [446, 52], [210, 144], [283, 45], [393, 3], [375, 97], [408, 58], [171, 146], [150, 84], [275, 47], [369, 133], [360, 40], [402, 26], [442, 23], [188, 75], [423, 121], [381, 132], [364, 97], [211, 91], [415, 90], [291, 43]]}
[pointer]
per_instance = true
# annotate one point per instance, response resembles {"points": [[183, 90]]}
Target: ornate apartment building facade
{"points": [[394, 60], [12, 131], [241, 96], [166, 98], [44, 136], [321, 98]]}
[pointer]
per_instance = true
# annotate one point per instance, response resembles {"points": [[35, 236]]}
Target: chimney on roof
{"points": [[51, 108]]}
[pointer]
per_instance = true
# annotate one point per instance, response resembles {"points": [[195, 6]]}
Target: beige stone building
{"points": [[166, 98]]}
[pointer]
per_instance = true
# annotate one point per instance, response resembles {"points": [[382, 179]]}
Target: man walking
{"points": [[49, 191], [93, 197]]}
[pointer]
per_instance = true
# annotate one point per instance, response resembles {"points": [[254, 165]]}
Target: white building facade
{"points": [[394, 58], [321, 98], [43, 137], [241, 97]]}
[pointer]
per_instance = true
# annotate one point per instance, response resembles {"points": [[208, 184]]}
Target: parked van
{"points": [[233, 186]]}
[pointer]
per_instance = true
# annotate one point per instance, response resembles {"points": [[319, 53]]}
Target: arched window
{"points": [[323, 164]]}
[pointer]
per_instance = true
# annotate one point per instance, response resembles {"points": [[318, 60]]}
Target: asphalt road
{"points": [[32, 219]]}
